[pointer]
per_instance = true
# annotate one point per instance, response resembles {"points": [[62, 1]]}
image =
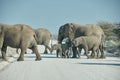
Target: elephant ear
{"points": [[61, 30], [61, 34]]}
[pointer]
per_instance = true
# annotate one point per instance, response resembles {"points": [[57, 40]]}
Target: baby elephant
{"points": [[58, 49], [61, 49], [87, 43]]}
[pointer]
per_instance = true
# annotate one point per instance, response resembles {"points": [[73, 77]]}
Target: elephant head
{"points": [[77, 41], [67, 30]]}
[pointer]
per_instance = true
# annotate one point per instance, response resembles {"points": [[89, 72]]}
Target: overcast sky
{"points": [[51, 14]]}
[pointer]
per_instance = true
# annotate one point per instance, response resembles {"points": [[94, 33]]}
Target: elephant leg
{"points": [[94, 52], [79, 52], [17, 50], [74, 52], [35, 50], [57, 52], [86, 53], [92, 55], [61, 54], [64, 53], [97, 53], [67, 52], [70, 52], [3, 51], [102, 52], [47, 47], [45, 52], [21, 57]]}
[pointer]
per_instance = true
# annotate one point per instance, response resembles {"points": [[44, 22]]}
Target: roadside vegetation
{"points": [[112, 32]]}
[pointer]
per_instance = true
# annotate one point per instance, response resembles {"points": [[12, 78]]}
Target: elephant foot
{"points": [[74, 57], [25, 52], [88, 57], [45, 52], [68, 57], [20, 59], [4, 59], [93, 57], [78, 57], [38, 59], [102, 56]]}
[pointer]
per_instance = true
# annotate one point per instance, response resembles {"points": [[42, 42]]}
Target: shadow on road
{"points": [[109, 64], [43, 56]]}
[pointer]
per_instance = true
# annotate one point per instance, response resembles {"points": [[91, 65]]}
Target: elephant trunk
{"points": [[60, 38], [36, 38]]}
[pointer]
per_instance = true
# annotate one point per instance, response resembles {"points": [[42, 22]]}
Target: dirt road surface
{"points": [[52, 68]]}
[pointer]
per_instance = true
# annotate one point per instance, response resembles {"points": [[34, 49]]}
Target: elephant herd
{"points": [[89, 37], [21, 36]]}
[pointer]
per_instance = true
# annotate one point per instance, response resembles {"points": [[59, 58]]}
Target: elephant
{"points": [[87, 43], [43, 36], [73, 30], [18, 36], [62, 49], [58, 49], [66, 47]]}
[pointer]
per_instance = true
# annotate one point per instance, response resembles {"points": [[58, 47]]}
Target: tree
{"points": [[112, 32], [117, 30], [108, 29]]}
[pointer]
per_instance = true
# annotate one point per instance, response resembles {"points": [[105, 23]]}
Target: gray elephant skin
{"points": [[73, 30], [18, 36], [43, 36], [61, 49], [87, 43], [58, 49]]}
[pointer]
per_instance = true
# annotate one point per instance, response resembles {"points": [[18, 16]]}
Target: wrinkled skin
{"points": [[43, 36], [87, 43], [19, 36], [73, 30]]}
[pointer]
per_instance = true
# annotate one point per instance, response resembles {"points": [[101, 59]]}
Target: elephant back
{"points": [[43, 36], [88, 30]]}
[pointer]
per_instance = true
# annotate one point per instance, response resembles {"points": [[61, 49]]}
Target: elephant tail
{"points": [[36, 38], [103, 42], [1, 37], [51, 39]]}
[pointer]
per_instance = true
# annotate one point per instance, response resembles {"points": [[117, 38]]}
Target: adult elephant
{"points": [[43, 36], [73, 30], [18, 36]]}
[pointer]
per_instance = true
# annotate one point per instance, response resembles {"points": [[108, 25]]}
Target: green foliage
{"points": [[107, 28], [117, 31], [112, 32]]}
